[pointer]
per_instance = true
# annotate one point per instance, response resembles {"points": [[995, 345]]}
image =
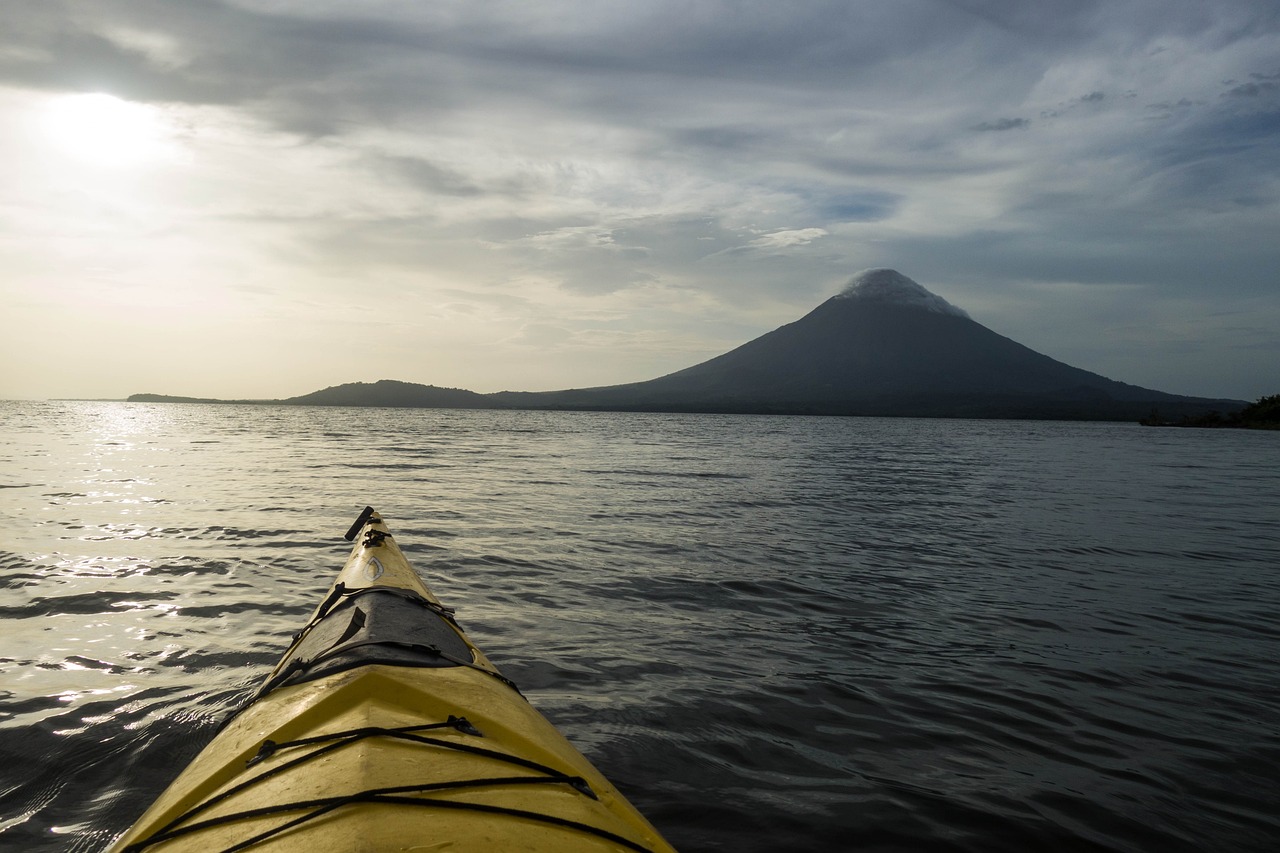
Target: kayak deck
{"points": [[384, 728]]}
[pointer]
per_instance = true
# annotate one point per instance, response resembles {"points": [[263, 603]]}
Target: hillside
{"points": [[393, 394]]}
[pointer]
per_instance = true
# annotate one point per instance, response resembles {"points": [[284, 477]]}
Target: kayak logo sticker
{"points": [[373, 569]]}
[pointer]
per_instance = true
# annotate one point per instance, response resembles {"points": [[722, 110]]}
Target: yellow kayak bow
{"points": [[383, 728]]}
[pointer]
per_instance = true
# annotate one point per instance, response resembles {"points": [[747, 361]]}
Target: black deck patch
{"points": [[376, 626]]}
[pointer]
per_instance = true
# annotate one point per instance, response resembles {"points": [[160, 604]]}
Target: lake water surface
{"points": [[772, 633]]}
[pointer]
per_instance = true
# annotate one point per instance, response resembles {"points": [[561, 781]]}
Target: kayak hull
{"points": [[337, 753]]}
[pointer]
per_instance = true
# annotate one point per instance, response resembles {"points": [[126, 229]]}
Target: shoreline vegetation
{"points": [[1264, 413]]}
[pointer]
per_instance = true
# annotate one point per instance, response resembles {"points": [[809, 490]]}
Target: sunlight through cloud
{"points": [[104, 130]]}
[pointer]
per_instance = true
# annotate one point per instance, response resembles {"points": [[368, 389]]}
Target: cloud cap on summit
{"points": [[893, 288]]}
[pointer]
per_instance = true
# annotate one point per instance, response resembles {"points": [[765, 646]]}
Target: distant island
{"points": [[166, 398], [885, 346]]}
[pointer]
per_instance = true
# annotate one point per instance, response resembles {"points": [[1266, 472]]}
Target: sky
{"points": [[261, 198]]}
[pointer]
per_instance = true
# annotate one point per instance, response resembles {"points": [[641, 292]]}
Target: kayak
{"points": [[383, 728]]}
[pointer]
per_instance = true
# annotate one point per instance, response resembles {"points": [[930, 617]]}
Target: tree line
{"points": [[1264, 413]]}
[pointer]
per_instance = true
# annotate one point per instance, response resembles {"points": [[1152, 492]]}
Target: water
{"points": [[772, 633]]}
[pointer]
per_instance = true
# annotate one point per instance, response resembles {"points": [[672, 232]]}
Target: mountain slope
{"points": [[885, 345]]}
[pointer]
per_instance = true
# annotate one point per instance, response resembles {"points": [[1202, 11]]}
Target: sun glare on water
{"points": [[105, 130]]}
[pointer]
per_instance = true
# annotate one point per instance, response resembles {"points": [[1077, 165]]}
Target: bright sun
{"points": [[105, 130]]}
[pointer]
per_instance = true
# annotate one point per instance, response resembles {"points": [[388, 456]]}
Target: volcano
{"points": [[884, 346]]}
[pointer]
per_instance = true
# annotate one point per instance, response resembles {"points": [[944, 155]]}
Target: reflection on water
{"points": [[772, 633]]}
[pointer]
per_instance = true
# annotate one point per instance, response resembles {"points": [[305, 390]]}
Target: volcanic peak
{"points": [[893, 288]]}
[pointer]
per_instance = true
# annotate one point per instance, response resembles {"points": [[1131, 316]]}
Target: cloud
{"points": [[893, 288], [1260, 86], [542, 335], [1004, 124], [788, 238]]}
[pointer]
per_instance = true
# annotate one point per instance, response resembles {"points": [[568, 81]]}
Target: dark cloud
{"points": [[1253, 89], [430, 177], [1171, 106], [1044, 21], [871, 206], [1003, 124], [311, 71], [727, 139]]}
